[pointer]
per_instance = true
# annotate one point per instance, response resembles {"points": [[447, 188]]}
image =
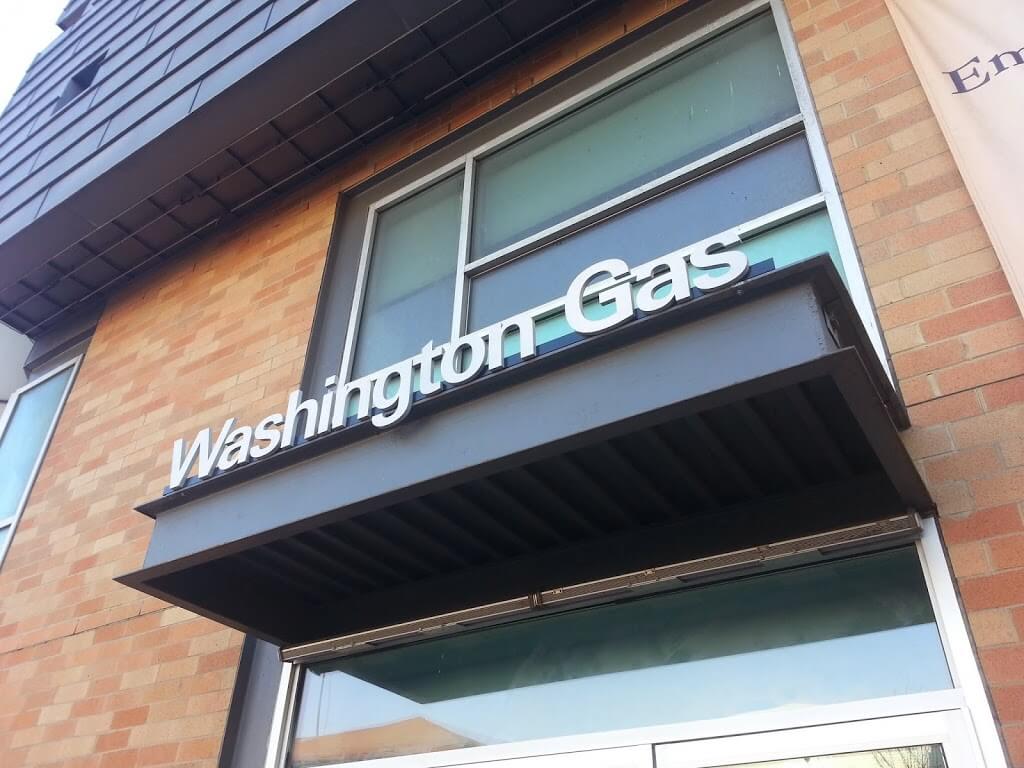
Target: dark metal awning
{"points": [[746, 417]]}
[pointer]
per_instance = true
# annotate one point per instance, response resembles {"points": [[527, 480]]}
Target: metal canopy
{"points": [[120, 224], [734, 423]]}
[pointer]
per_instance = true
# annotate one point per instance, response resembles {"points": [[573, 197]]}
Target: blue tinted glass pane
{"points": [[834, 632], [410, 288], [23, 439], [759, 184], [724, 91]]}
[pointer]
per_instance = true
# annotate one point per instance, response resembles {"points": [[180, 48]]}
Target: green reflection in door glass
{"points": [[838, 631]]}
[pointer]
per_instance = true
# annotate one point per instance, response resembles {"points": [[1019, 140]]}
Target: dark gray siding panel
{"points": [[25, 213], [169, 48], [184, 114], [223, 29], [313, 14], [163, 49], [59, 60], [248, 56], [114, 197], [8, 205], [74, 151], [38, 108]]}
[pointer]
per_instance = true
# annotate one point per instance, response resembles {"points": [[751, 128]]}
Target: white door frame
{"points": [[946, 729]]}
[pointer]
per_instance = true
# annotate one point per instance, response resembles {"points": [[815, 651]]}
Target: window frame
{"points": [[946, 729], [805, 122], [14, 519]]}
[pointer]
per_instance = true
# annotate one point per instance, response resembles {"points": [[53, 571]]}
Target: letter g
{"points": [[619, 295]]}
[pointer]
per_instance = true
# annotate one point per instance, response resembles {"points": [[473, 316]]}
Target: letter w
{"points": [[201, 448]]}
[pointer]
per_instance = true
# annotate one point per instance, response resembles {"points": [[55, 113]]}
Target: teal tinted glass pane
{"points": [[410, 289], [839, 631], [707, 206], [23, 439], [787, 244], [5, 534], [713, 96]]}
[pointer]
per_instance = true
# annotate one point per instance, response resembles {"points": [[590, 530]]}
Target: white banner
{"points": [[969, 55]]}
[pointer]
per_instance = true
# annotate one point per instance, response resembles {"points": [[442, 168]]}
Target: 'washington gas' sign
{"points": [[386, 396]]}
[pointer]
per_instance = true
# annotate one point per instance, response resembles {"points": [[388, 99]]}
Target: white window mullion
{"points": [[461, 304]]}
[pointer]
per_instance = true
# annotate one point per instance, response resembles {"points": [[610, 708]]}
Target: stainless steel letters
{"points": [[603, 296]]}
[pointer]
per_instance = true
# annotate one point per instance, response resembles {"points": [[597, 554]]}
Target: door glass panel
{"points": [[410, 287], [724, 91], [837, 631], [923, 756]]}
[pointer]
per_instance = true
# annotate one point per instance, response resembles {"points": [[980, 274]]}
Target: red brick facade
{"points": [[955, 333], [94, 674]]}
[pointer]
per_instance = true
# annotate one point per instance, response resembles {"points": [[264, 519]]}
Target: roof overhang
{"points": [[749, 416], [309, 92]]}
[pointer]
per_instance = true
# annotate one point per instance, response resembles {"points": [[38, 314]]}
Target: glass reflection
{"points": [[923, 756], [708, 206], [837, 631], [722, 91], [410, 286], [24, 438]]}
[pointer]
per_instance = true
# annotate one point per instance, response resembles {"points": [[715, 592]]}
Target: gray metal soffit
{"points": [[378, 64]]}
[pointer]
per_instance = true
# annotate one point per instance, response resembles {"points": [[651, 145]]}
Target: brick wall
{"points": [[954, 331], [93, 674]]}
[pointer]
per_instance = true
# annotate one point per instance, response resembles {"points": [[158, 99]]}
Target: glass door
{"points": [[931, 740]]}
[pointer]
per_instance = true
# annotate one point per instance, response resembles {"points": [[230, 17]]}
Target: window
{"points": [[839, 631], [79, 83], [25, 430], [72, 14], [717, 94], [705, 137], [411, 282]]}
